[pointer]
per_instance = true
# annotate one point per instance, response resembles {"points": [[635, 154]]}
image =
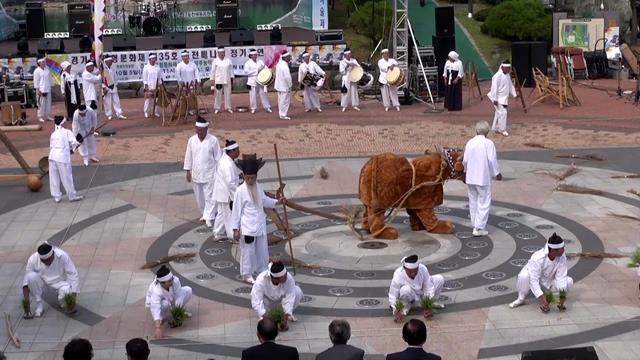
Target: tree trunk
{"points": [[633, 34]]}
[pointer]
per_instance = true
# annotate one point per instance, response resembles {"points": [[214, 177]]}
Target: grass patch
{"points": [[493, 50]]}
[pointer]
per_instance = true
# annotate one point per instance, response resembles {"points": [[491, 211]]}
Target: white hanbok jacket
{"points": [[264, 288], [227, 180], [480, 161], [187, 73], [61, 269], [283, 81], [501, 88], [421, 285], [61, 142], [83, 124], [221, 71], [156, 294], [345, 69], [246, 216], [311, 67], [89, 82], [251, 69], [543, 271], [202, 158], [151, 75], [383, 66], [42, 79]]}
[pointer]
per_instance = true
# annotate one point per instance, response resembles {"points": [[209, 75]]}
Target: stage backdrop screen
{"points": [[177, 15]]}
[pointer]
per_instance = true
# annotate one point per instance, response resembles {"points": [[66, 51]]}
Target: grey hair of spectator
{"points": [[339, 331], [482, 127]]}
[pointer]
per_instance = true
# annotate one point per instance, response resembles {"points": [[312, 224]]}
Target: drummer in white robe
{"points": [[248, 218], [251, 68], [221, 81], [61, 143], [164, 292], [85, 122], [283, 84], [349, 89], [276, 287], [311, 96], [42, 82], [480, 164], [226, 183], [50, 266], [389, 93], [410, 282], [90, 79], [501, 88], [188, 78], [547, 268], [152, 77], [200, 162]]}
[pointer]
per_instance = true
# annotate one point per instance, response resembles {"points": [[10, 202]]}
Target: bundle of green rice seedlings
{"points": [[278, 315], [26, 307], [548, 295], [69, 301], [635, 259], [427, 303], [178, 315]]}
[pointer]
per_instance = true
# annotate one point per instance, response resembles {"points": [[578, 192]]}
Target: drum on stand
{"points": [[395, 76], [152, 26], [265, 77], [355, 75], [319, 84]]}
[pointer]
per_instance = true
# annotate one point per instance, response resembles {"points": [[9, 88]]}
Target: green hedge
{"points": [[481, 15], [518, 20]]}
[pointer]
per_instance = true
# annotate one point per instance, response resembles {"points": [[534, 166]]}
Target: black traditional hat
{"points": [[58, 120], [250, 164]]}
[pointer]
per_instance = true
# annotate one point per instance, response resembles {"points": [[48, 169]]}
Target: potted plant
{"points": [[69, 302], [278, 315], [178, 315]]}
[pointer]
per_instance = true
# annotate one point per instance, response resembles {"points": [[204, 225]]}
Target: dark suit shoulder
{"points": [[341, 352], [413, 354]]}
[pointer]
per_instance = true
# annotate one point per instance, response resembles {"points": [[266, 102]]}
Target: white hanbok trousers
{"points": [[180, 299], [268, 303], [499, 118], [254, 257], [479, 205], [226, 89], [60, 173], [44, 106], [409, 296], [148, 104], [311, 98], [223, 222], [389, 95], [351, 97], [112, 103], [36, 286], [284, 101], [204, 198], [256, 91], [88, 147], [524, 286]]}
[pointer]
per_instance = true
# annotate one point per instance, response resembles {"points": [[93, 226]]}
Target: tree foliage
{"points": [[372, 19], [518, 20]]}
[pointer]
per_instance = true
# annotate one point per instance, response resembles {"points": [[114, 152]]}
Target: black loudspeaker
{"points": [[241, 37], [525, 55], [227, 3], [584, 353], [442, 45], [275, 36], [34, 13], [209, 38], [174, 41], [226, 18], [123, 42], [50, 46], [79, 15], [445, 23], [328, 36]]}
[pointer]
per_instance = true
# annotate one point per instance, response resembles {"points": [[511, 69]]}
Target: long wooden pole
{"points": [[16, 154], [284, 208]]}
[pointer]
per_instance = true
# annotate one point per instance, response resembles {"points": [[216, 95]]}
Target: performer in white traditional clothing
{"points": [[70, 89], [480, 164], [410, 283], [90, 78], [200, 162], [311, 96], [85, 122], [349, 90], [251, 68], [276, 287], [501, 88], [226, 183], [50, 266], [453, 74], [164, 292], [110, 86], [389, 93], [547, 268], [283, 84], [152, 78], [248, 218], [188, 78], [221, 81], [42, 83], [61, 143]]}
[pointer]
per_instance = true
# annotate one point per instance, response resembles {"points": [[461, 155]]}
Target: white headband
{"points": [[286, 53], [90, 63], [41, 60], [64, 120], [65, 64], [184, 53], [414, 265], [253, 52], [108, 58], [305, 54], [231, 147], [384, 51], [152, 56], [556, 246], [220, 50], [47, 255], [505, 65], [167, 277], [278, 274], [347, 52], [202, 125]]}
